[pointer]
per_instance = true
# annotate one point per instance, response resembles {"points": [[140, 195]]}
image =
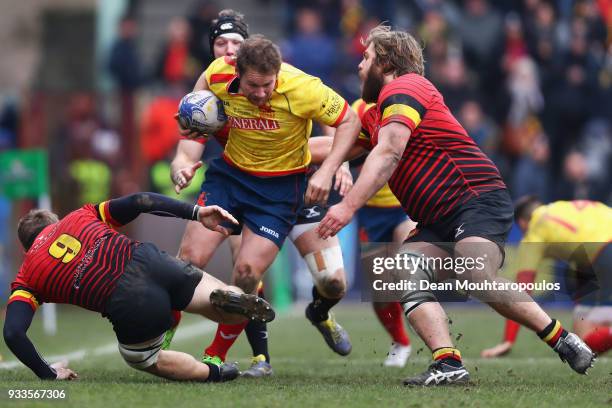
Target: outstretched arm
{"points": [[123, 210], [18, 319], [319, 184], [376, 171]]}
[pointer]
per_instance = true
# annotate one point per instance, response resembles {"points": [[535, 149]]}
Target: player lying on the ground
{"points": [[82, 260], [454, 192], [579, 233]]}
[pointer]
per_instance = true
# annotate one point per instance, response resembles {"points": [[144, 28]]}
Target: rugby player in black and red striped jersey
{"points": [[454, 192], [82, 260]]}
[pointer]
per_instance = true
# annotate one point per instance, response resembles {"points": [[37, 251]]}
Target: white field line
{"points": [[183, 333]]}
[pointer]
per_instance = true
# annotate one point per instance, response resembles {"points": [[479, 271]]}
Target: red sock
{"points": [[392, 319], [224, 339], [600, 339], [176, 318]]}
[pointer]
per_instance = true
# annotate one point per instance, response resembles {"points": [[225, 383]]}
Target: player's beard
{"points": [[372, 84]]}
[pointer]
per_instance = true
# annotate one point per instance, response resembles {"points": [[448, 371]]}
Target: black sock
{"points": [[214, 372], [257, 334], [552, 333], [319, 307]]}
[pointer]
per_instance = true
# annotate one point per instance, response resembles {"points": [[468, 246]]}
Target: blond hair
{"points": [[397, 52]]}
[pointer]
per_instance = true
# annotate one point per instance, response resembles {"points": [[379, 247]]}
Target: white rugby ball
{"points": [[201, 111]]}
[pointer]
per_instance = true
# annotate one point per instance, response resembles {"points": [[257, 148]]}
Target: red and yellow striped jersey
{"points": [[441, 167], [76, 260], [273, 140]]}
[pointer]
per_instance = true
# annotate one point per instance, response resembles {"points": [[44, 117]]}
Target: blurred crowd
{"points": [[530, 80]]}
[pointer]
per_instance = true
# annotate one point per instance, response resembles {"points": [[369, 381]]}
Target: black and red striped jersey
{"points": [[76, 260], [441, 167]]}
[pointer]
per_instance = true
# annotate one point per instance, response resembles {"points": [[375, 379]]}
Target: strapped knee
{"points": [[323, 266], [143, 355], [415, 297]]}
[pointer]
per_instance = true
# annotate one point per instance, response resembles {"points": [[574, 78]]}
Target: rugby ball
{"points": [[201, 111]]}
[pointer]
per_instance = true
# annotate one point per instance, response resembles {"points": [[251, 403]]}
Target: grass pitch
{"points": [[307, 373]]}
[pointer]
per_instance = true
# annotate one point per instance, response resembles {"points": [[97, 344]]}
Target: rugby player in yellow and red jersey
{"points": [[382, 220], [579, 233], [270, 108]]}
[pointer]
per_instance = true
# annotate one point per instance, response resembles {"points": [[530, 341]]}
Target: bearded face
{"points": [[372, 84]]}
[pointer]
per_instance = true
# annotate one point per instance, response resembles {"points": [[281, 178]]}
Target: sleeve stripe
{"points": [[403, 99], [221, 78], [365, 134], [364, 137], [106, 216], [24, 296], [402, 110], [344, 109]]}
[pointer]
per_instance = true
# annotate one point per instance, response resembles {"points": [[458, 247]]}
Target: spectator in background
{"points": [[531, 173], [9, 117], [483, 130], [159, 132], [174, 64], [526, 99], [124, 62], [593, 16], [515, 45], [588, 166], [435, 34], [480, 128], [603, 85], [159, 135], [310, 48], [480, 30], [330, 12], [571, 98], [203, 12], [355, 42], [453, 80]]}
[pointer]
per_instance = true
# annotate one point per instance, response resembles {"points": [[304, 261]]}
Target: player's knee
{"points": [[417, 294], [142, 356], [327, 269], [191, 254], [245, 277], [333, 287]]}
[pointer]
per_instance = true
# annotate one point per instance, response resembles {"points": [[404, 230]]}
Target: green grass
{"points": [[308, 374]]}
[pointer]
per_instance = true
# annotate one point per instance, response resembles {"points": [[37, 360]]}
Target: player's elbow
{"points": [[142, 201], [350, 124], [392, 157], [12, 336], [353, 122]]}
